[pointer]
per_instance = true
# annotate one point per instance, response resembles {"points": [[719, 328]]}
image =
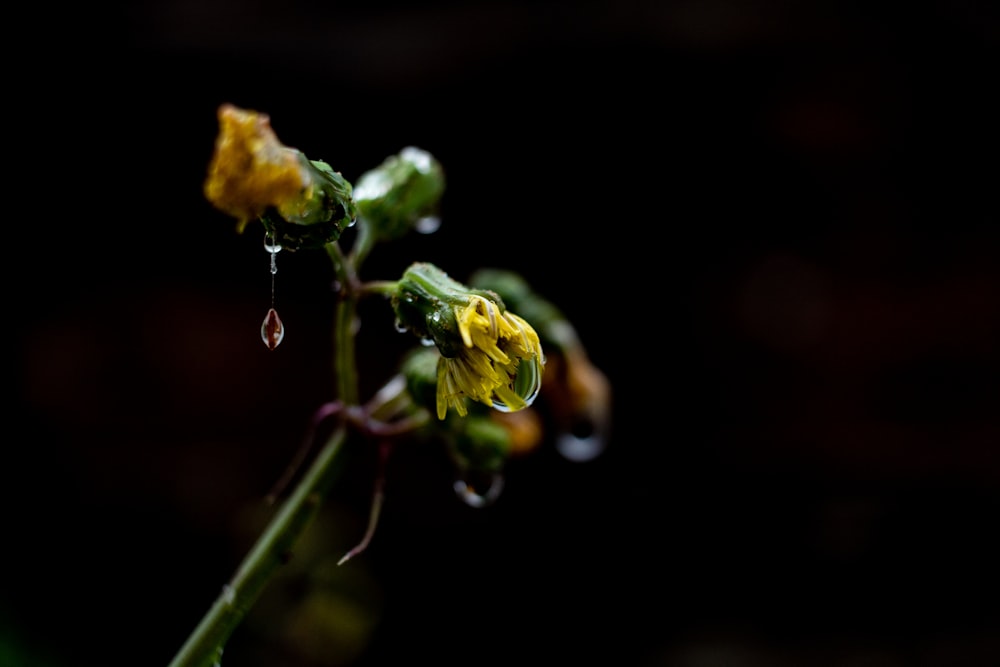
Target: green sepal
{"points": [[326, 214], [425, 301]]}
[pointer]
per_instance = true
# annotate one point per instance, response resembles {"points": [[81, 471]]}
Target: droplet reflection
{"points": [[272, 331], [527, 383]]}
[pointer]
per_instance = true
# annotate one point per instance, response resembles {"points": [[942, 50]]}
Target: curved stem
{"points": [[204, 646], [363, 243]]}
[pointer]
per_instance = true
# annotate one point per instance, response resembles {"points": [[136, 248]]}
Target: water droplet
{"points": [[579, 449], [273, 248], [427, 342], [427, 224], [583, 442], [400, 327], [272, 330], [527, 383], [479, 488]]}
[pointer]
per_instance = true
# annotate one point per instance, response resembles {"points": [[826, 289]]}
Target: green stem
{"points": [[344, 367], [363, 243], [383, 287], [204, 646]]}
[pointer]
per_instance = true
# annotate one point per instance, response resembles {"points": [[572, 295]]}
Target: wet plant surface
{"points": [[771, 231]]}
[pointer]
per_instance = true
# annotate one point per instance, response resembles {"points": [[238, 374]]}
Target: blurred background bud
{"points": [[397, 195]]}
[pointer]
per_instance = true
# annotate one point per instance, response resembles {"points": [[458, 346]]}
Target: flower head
{"points": [[488, 354], [498, 364], [250, 169], [302, 202]]}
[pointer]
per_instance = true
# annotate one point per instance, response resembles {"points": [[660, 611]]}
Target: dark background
{"points": [[773, 224]]}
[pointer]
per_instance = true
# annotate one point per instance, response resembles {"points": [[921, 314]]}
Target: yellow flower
{"points": [[252, 170], [488, 353], [499, 364]]}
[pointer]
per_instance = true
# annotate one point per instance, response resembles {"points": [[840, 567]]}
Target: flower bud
{"points": [[302, 203], [419, 369], [394, 196], [488, 353], [482, 444]]}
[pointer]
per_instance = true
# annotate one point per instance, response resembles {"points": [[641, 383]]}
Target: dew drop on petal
{"points": [[479, 488], [527, 384], [272, 330]]}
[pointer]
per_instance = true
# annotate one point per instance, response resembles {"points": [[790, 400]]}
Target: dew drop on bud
{"points": [[272, 330]]}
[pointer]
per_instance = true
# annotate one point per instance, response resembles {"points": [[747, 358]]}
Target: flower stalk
{"points": [[205, 645], [480, 359]]}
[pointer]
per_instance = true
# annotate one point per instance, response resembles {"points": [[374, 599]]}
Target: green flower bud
{"points": [[419, 368], [481, 444], [394, 196]]}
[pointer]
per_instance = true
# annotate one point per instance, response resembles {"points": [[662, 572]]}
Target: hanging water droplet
{"points": [[427, 224], [580, 448], [427, 342], [479, 488], [527, 383], [272, 330], [272, 247], [400, 327], [583, 437]]}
